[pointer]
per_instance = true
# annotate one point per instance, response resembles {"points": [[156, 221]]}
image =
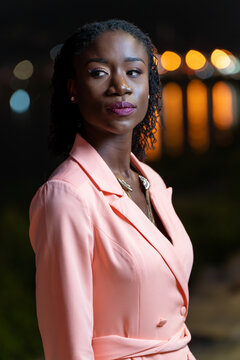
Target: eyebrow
{"points": [[131, 59], [104, 61]]}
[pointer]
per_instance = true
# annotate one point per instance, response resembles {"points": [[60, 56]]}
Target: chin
{"points": [[123, 127]]}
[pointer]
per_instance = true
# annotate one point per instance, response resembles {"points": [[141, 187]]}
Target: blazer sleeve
{"points": [[62, 238]]}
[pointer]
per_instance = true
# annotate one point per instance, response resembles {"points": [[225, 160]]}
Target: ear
{"points": [[71, 88]]}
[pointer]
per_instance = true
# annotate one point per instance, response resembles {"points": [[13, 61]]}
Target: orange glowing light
{"points": [[197, 110], [195, 60], [173, 118], [220, 59], [170, 61], [155, 154], [222, 105]]}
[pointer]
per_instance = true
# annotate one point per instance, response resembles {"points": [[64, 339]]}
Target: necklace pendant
{"points": [[144, 181], [125, 185]]}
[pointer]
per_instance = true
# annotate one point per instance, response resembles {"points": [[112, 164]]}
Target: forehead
{"points": [[115, 45]]}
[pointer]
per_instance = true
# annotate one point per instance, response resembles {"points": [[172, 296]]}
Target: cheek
{"points": [[86, 94], [142, 89], [142, 94], [88, 100]]}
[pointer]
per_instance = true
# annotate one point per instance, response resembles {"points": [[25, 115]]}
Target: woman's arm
{"points": [[62, 238]]}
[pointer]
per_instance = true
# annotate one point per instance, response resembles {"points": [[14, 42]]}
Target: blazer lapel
{"points": [[163, 206], [126, 208]]}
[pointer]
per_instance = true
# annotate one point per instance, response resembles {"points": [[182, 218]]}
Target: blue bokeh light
{"points": [[19, 101]]}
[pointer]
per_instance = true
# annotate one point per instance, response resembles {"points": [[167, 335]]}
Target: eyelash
{"points": [[95, 73], [137, 71]]}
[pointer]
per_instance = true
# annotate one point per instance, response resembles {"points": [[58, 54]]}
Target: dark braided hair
{"points": [[65, 116]]}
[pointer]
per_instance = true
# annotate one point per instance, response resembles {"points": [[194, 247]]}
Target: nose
{"points": [[119, 86]]}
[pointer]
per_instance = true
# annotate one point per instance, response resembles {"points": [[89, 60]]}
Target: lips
{"points": [[122, 108], [121, 105]]}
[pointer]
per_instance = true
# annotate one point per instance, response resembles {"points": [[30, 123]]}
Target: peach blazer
{"points": [[109, 284]]}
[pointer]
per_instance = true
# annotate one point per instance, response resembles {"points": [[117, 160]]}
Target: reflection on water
{"points": [[223, 112], [222, 105], [207, 108], [173, 117], [197, 112]]}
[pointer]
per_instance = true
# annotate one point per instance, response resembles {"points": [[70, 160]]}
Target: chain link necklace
{"points": [[128, 189]]}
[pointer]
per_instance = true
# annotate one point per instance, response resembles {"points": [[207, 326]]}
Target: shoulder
{"points": [[65, 189], [69, 171], [67, 178], [56, 201]]}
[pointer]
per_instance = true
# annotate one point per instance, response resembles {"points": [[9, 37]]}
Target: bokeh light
{"points": [[206, 72], [19, 101], [197, 111], [173, 118], [232, 68], [222, 105], [220, 59], [170, 60], [195, 60], [23, 70], [55, 50]]}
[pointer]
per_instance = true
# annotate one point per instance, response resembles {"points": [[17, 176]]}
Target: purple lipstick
{"points": [[121, 108]]}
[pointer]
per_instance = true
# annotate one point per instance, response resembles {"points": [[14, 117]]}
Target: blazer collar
{"points": [[97, 169]]}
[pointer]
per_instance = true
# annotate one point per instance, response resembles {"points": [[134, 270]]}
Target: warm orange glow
{"points": [[197, 110], [153, 155], [156, 58], [173, 118], [170, 61], [195, 60], [222, 105], [220, 59]]}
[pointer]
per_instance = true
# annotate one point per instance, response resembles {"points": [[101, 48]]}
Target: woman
{"points": [[112, 258]]}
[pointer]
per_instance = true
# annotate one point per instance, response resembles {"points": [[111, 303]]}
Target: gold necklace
{"points": [[127, 188]]}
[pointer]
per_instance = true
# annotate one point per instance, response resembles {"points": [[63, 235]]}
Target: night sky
{"points": [[30, 28]]}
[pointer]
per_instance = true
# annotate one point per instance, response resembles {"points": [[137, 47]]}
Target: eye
{"points": [[134, 72], [97, 73]]}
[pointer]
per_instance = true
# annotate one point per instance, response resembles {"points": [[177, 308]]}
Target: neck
{"points": [[114, 149]]}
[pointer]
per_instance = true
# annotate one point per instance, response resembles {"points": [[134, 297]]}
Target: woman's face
{"points": [[111, 83]]}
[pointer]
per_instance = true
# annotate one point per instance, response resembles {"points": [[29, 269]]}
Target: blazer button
{"points": [[183, 310], [161, 322]]}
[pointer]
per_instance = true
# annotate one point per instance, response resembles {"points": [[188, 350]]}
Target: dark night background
{"points": [[206, 186]]}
